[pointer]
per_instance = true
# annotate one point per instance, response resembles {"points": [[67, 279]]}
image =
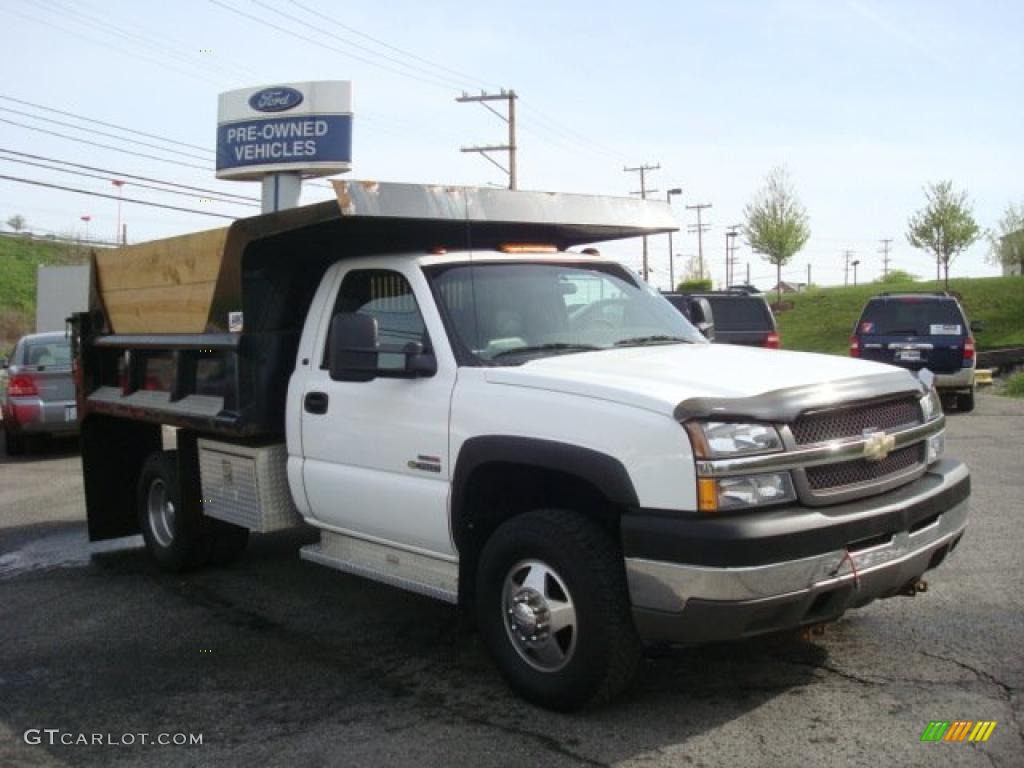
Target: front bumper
{"points": [[727, 578]]}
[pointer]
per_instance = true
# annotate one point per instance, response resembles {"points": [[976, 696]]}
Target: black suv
{"points": [[742, 317], [921, 330], [697, 310]]}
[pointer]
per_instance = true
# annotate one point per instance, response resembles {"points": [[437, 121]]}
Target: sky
{"points": [[863, 102]]}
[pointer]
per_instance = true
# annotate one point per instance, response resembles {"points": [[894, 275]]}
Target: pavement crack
{"points": [[1007, 691], [550, 742]]}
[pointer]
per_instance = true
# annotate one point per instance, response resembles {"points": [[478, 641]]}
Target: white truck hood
{"points": [[659, 378]]}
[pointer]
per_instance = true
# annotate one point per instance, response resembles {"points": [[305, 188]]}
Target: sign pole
{"points": [[281, 191]]}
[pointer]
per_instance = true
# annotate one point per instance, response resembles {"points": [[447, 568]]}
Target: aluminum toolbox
{"points": [[247, 485]]}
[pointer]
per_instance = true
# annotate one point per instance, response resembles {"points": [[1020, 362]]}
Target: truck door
{"points": [[376, 452]]}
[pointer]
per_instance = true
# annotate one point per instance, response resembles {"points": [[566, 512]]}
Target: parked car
{"points": [[921, 330], [40, 395], [695, 309], [742, 318]]}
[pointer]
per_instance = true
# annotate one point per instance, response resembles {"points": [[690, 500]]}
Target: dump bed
{"points": [[201, 330]]}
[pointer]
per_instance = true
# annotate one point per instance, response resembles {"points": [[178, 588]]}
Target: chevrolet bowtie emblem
{"points": [[877, 445]]}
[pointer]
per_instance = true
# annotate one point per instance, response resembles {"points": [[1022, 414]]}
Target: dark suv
{"points": [[921, 330], [742, 317], [697, 310]]}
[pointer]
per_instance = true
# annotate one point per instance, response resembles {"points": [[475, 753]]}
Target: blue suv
{"points": [[921, 330]]}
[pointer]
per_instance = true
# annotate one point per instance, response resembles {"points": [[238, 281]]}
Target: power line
{"points": [[33, 182], [324, 45], [78, 35], [103, 123], [370, 51], [353, 30], [103, 133], [105, 146], [141, 185], [122, 175], [146, 39]]}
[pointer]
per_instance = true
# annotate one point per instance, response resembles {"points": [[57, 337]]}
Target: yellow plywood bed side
{"points": [[164, 286]]}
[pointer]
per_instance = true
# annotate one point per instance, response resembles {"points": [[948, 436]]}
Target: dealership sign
{"points": [[293, 128]]}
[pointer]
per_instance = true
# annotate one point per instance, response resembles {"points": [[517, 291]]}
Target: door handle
{"points": [[315, 402]]}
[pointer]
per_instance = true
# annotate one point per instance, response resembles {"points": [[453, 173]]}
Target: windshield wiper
{"points": [[658, 339], [558, 346], [901, 331]]}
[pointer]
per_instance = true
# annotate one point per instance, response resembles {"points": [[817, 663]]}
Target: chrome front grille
{"points": [[833, 477], [853, 421]]}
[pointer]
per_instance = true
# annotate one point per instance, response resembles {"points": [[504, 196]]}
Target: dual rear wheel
{"points": [[177, 538]]}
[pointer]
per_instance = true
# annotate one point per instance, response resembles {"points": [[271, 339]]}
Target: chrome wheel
{"points": [[161, 512], [539, 615]]}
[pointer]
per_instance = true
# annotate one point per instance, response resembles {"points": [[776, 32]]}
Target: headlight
{"points": [[723, 494], [723, 439], [931, 405]]}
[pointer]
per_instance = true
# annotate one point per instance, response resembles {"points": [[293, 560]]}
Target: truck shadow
{"points": [[277, 645]]}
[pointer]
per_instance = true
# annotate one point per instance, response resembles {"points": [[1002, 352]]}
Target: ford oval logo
{"points": [[275, 99]]}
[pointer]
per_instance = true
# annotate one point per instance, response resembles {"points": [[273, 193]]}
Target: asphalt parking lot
{"points": [[276, 661]]}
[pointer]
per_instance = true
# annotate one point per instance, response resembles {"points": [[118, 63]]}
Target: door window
{"points": [[388, 298]]}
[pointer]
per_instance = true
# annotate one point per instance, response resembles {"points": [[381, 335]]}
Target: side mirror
{"points": [[352, 353], [356, 354], [4, 365], [703, 318], [977, 326]]}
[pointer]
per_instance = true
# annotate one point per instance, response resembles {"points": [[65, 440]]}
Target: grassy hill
{"points": [[822, 319], [20, 257]]}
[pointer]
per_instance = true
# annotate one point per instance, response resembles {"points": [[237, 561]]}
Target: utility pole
{"points": [[886, 242], [671, 259], [846, 268], [808, 276], [510, 118], [854, 264], [700, 229], [643, 192]]}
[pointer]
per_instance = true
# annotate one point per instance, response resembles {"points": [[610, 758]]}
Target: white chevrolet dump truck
{"points": [[469, 406]]}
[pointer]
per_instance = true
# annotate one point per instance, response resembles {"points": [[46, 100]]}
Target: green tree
{"points": [[1007, 243], [776, 222], [897, 276], [16, 222], [945, 226]]}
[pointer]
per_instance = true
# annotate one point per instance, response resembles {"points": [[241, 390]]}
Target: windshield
{"points": [[507, 313], [911, 316]]}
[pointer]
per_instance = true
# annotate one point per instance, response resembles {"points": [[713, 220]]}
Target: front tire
{"points": [[177, 542], [554, 611]]}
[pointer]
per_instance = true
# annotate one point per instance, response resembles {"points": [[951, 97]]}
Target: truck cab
{"points": [[466, 406]]}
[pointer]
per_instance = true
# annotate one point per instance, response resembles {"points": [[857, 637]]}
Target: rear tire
{"points": [[14, 445], [965, 402], [175, 541], [554, 611]]}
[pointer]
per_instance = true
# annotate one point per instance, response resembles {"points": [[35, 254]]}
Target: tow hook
{"points": [[911, 590], [813, 630]]}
